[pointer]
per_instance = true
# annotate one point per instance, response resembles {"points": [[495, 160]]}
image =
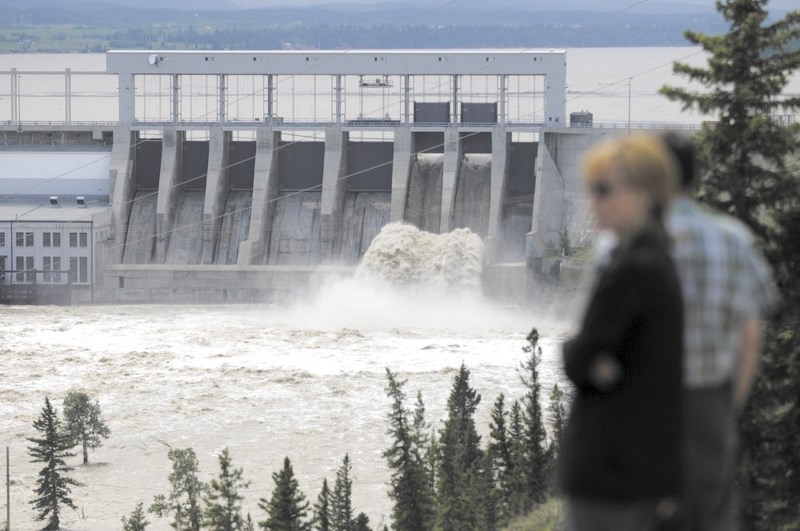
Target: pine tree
{"points": [[409, 487], [743, 159], [533, 435], [491, 495], [53, 485], [183, 501], [459, 508], [84, 422], [322, 509], [223, 510], [341, 498], [136, 521], [287, 508], [248, 524]]}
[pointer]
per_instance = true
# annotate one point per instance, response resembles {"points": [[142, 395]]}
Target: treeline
{"points": [[440, 479], [389, 36]]}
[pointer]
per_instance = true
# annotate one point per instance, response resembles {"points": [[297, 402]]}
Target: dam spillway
{"points": [[212, 200]]}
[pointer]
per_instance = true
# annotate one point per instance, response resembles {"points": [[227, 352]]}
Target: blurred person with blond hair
{"points": [[620, 464]]}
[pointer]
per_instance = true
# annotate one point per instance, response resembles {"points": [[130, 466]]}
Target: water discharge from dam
{"points": [[186, 240], [365, 213], [235, 225], [140, 239], [295, 231], [471, 209], [424, 205]]}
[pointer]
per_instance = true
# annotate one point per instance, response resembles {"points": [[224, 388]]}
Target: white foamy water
{"points": [[403, 255], [306, 381]]}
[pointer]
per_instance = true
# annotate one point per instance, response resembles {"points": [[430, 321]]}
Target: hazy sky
{"points": [[551, 4]]}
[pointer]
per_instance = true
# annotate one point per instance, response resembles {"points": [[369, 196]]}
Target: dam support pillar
{"points": [[171, 158], [265, 191], [452, 164], [334, 188], [217, 186], [547, 205], [499, 176], [123, 188], [401, 172]]}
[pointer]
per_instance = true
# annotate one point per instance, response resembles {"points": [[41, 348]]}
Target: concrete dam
{"points": [[263, 186]]}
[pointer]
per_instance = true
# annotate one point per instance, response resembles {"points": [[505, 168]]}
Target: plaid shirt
{"points": [[725, 281]]}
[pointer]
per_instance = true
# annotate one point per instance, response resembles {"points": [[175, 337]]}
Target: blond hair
{"points": [[643, 164]]}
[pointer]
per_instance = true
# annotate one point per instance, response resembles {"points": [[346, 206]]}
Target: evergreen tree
{"points": [[341, 499], [501, 458], [534, 452], [84, 422], [136, 521], [287, 508], [409, 487], [184, 498], [361, 523], [518, 502], [53, 485], [557, 415], [248, 524], [322, 509], [490, 494], [458, 496], [743, 159], [223, 510]]}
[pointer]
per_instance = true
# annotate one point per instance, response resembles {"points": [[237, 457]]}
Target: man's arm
{"points": [[748, 364]]}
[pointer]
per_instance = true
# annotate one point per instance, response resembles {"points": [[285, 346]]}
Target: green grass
{"points": [[547, 517]]}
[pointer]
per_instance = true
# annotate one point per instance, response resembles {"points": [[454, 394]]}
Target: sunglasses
{"points": [[601, 189]]}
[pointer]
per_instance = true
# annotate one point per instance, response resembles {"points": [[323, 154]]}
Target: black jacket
{"points": [[623, 444]]}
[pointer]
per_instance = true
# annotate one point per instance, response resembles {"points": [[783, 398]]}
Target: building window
{"points": [[2, 269], [2, 239], [73, 239], [84, 271], [84, 239], [73, 269], [20, 239], [51, 266], [28, 239], [46, 239], [25, 272]]}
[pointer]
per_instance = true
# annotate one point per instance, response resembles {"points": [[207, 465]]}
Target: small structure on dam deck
{"points": [[243, 175]]}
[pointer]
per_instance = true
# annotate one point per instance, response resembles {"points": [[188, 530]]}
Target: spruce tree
{"points": [[248, 524], [557, 416], [458, 492], [743, 157], [341, 498], [534, 451], [223, 510], [322, 509], [361, 523], [186, 492], [84, 422], [502, 462], [518, 502], [53, 487], [287, 508], [136, 521], [410, 490]]}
